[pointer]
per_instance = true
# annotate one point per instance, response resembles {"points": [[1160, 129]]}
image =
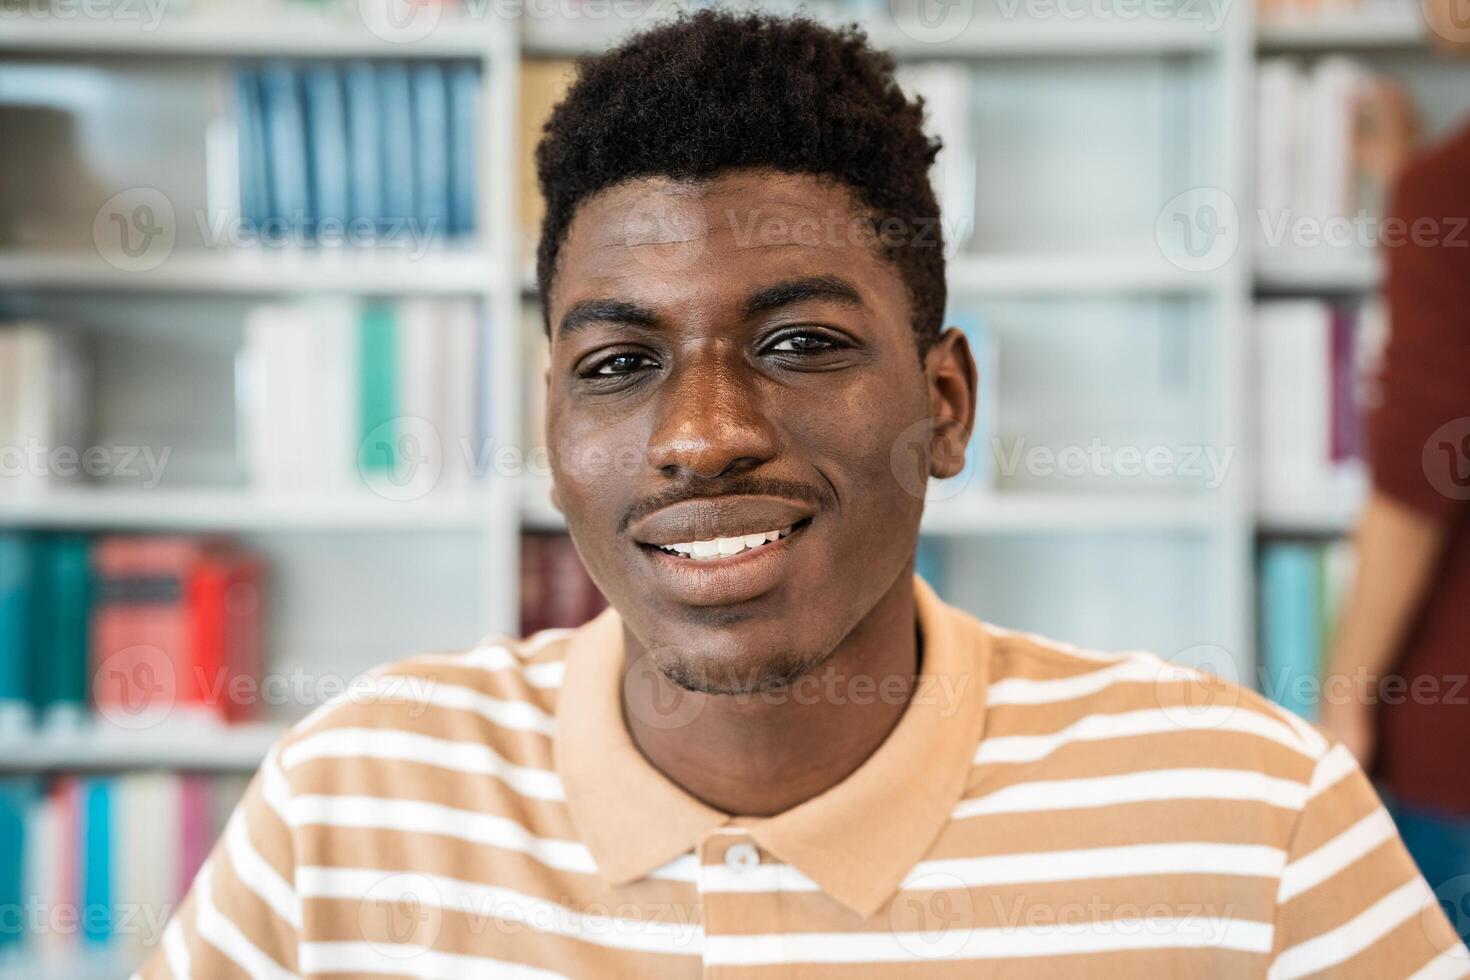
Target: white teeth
{"points": [[716, 548]]}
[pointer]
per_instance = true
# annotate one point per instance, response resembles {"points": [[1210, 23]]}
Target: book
{"points": [[395, 108], [17, 598], [254, 165], [326, 127], [364, 147], [97, 854], [1291, 625], [287, 164], [378, 389], [431, 150], [464, 167], [543, 83], [17, 794], [60, 639]]}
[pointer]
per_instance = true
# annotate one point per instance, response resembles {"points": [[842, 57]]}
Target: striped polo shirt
{"points": [[1037, 811]]}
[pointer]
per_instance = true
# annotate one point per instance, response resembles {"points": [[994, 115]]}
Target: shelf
{"points": [[972, 275], [1002, 512], [1362, 276], [1330, 515], [435, 272], [238, 510], [232, 748], [1345, 33], [276, 35], [1076, 274], [567, 37]]}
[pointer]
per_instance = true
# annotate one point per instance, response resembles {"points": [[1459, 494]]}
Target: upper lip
{"points": [[717, 517]]}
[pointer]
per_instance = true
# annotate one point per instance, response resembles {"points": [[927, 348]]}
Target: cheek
{"points": [[863, 437]]}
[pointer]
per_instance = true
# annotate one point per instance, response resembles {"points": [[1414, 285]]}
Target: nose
{"points": [[711, 421]]}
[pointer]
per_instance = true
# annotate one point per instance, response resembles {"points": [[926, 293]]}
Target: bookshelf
{"points": [[1186, 87]]}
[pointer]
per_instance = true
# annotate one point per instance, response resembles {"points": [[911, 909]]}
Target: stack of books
{"points": [[363, 153], [1316, 207], [145, 630], [45, 407], [1317, 363], [334, 394], [1302, 589], [99, 863]]}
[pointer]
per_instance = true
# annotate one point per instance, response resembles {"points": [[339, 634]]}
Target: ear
{"points": [[950, 369]]}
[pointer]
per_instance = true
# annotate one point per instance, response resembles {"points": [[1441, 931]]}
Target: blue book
{"points": [[364, 145], [1291, 626], [17, 574], [326, 118], [396, 105], [286, 161], [96, 863], [61, 635], [464, 128], [431, 149], [17, 795], [255, 201]]}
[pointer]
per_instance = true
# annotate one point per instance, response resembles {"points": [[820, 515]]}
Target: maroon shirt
{"points": [[1419, 437]]}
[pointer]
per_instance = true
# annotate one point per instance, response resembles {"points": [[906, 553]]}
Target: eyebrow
{"points": [[764, 300]]}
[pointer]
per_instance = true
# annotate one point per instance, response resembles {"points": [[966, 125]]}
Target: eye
{"points": [[804, 342], [622, 363]]}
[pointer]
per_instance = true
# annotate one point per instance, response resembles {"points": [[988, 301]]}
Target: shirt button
{"points": [[742, 856]]}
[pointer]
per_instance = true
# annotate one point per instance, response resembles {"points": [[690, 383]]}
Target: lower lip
{"points": [[726, 581]]}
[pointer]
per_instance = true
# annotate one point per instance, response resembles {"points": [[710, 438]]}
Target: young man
{"points": [[779, 754]]}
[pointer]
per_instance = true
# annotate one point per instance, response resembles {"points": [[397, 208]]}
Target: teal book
{"points": [[17, 795], [96, 863], [17, 572], [1291, 626], [61, 637], [378, 388]]}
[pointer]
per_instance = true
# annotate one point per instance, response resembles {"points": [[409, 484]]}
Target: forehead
{"points": [[702, 245]]}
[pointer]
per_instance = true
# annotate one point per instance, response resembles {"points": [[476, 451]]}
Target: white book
{"points": [[42, 873], [33, 426], [945, 88], [460, 328], [1279, 85], [1294, 404], [334, 366], [1327, 175], [423, 432], [9, 409], [146, 832]]}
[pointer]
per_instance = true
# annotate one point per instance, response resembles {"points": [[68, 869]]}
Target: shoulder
{"points": [[489, 709], [1134, 710]]}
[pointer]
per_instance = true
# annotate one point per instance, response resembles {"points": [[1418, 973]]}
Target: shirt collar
{"points": [[857, 840]]}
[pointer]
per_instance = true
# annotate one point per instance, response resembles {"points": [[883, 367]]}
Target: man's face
{"points": [[734, 370]]}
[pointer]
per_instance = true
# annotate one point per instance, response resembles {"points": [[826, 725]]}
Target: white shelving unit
{"points": [[1223, 521]]}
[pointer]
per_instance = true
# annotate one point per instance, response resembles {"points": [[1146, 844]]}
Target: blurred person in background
{"points": [[1398, 693]]}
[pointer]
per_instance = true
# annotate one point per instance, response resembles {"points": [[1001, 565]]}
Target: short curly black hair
{"points": [[717, 90]]}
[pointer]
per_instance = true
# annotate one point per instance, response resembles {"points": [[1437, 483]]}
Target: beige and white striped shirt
{"points": [[1038, 811]]}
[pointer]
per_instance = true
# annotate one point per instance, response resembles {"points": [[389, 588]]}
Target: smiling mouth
{"points": [[720, 549]]}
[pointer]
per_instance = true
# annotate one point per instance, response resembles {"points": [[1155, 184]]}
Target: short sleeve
{"points": [[1351, 902], [242, 916]]}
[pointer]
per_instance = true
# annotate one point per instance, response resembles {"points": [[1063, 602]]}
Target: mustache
{"points": [[734, 486]]}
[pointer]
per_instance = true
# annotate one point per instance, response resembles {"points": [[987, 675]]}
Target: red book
{"points": [[223, 594]]}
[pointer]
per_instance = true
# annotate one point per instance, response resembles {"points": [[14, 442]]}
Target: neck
{"points": [[761, 753]]}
